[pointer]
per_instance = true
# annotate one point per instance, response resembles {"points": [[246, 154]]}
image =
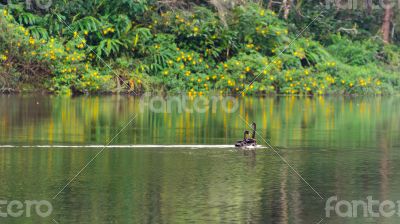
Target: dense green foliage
{"points": [[137, 46]]}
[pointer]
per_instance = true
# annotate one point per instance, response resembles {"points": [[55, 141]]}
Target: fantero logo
{"points": [[28, 208]]}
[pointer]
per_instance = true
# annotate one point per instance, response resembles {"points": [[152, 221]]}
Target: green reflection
{"points": [[342, 146]]}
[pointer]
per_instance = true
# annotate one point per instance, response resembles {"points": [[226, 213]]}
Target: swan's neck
{"points": [[253, 135]]}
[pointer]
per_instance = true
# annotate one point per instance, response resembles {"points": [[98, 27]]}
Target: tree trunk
{"points": [[269, 5], [387, 21], [286, 8]]}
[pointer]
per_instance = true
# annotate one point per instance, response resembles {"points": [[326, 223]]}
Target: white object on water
{"points": [[128, 146]]}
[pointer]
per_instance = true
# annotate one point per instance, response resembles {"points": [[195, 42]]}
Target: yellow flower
{"points": [[5, 12], [195, 29], [263, 32], [187, 73], [351, 84], [262, 13], [248, 69], [3, 57], [165, 72], [31, 41], [306, 72]]}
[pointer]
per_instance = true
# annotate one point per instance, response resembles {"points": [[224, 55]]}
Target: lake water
{"points": [[321, 147]]}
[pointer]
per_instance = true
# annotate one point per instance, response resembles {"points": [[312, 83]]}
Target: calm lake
{"points": [[322, 147]]}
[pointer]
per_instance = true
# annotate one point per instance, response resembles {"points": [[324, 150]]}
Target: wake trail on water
{"points": [[129, 146]]}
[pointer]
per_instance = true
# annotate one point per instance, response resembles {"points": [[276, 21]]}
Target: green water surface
{"points": [[322, 147]]}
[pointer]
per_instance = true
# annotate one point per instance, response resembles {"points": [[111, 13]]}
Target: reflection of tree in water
{"points": [[284, 120]]}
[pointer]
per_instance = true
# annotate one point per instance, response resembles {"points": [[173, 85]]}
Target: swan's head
{"points": [[253, 125]]}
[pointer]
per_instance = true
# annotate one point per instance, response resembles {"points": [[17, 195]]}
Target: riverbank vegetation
{"points": [[196, 47]]}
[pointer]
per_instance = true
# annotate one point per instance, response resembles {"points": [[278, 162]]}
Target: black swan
{"points": [[246, 142]]}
